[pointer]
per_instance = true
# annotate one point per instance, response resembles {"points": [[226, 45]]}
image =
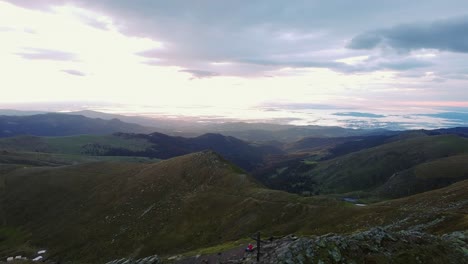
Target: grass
{"points": [[218, 248], [191, 202], [367, 169], [75, 145], [14, 241], [26, 159], [450, 167], [195, 203]]}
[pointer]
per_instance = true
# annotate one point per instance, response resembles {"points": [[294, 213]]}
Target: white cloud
{"points": [[91, 53]]}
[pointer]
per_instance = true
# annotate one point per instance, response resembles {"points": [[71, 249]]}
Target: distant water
{"points": [[293, 114], [349, 118]]}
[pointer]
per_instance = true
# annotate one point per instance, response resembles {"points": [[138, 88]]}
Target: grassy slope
{"points": [[449, 203], [105, 210], [176, 205], [367, 169], [70, 144], [155, 145], [450, 167], [426, 176]]}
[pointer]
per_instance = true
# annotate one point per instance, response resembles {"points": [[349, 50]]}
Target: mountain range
{"points": [[90, 190]]}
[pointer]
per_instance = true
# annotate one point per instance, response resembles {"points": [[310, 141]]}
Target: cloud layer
{"points": [[445, 35], [304, 52]]}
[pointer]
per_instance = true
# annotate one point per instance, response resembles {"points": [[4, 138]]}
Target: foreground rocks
{"points": [[374, 246], [148, 260]]}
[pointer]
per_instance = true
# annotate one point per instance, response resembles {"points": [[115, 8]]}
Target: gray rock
{"points": [[148, 260]]}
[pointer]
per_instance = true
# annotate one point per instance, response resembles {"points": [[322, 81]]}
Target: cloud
{"points": [[460, 117], [272, 106], [359, 114], [74, 72], [445, 35], [259, 38], [46, 54], [200, 73], [368, 65], [403, 65]]}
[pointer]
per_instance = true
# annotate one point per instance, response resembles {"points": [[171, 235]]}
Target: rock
{"points": [[148, 260], [336, 255], [366, 247]]}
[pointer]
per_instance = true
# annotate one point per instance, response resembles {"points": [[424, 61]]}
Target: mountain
{"points": [[461, 131], [53, 124], [155, 145], [12, 112], [135, 209], [253, 132], [14, 122], [245, 155], [372, 167], [393, 169], [100, 211]]}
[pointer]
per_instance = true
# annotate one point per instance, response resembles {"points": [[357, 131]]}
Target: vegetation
{"points": [[398, 168], [176, 205], [156, 145], [60, 193], [54, 124]]}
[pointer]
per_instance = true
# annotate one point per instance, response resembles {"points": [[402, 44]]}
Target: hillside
{"points": [[372, 167], [178, 204], [80, 144], [189, 202], [369, 169], [54, 124], [155, 145]]}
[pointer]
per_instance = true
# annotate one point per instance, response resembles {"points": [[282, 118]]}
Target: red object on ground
{"points": [[250, 247]]}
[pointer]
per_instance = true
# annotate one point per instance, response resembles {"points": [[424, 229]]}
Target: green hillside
{"points": [[425, 177], [156, 145], [369, 169], [177, 205], [82, 144]]}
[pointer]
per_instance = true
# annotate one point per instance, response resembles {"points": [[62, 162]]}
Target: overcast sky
{"points": [[362, 54]]}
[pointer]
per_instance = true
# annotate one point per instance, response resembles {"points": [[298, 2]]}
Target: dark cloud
{"points": [[200, 73], [74, 72], [446, 35], [369, 65], [297, 64], [46, 54], [403, 65]]}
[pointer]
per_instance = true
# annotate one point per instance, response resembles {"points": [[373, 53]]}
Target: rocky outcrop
{"points": [[148, 260], [374, 246]]}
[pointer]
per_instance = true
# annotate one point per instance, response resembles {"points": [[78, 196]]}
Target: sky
{"points": [[335, 62]]}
